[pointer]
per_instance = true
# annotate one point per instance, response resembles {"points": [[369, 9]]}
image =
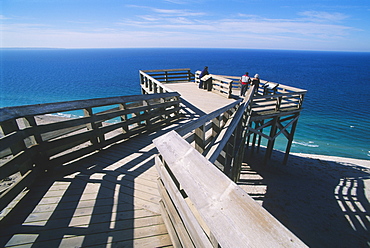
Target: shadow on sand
{"points": [[324, 203]]}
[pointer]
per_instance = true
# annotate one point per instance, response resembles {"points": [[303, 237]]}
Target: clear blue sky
{"points": [[330, 25]]}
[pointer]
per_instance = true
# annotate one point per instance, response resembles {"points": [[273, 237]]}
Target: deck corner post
{"points": [[97, 139]]}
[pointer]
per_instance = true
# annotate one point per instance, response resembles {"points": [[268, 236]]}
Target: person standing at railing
{"points": [[202, 74], [256, 83], [245, 80]]}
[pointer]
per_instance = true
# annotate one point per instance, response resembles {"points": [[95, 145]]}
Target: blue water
{"points": [[336, 114]]}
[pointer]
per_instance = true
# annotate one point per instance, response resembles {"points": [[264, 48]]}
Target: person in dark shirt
{"points": [[202, 74]]}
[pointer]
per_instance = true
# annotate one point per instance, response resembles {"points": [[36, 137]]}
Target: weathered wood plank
{"points": [[181, 235], [187, 217], [171, 230], [234, 218]]}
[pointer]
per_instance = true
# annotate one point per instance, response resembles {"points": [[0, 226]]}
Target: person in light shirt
{"points": [[245, 80]]}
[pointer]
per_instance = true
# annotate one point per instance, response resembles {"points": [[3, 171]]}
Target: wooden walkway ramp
{"points": [[109, 199]]}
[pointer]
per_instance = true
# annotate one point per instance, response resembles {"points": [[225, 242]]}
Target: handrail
{"points": [[214, 143], [150, 85], [170, 75], [30, 147], [55, 107], [203, 208], [190, 126], [220, 84]]}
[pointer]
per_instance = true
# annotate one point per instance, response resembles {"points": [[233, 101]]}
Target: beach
{"points": [[324, 200]]}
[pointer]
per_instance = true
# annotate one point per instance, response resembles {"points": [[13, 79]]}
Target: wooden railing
{"points": [[220, 84], [284, 98], [202, 207], [30, 146], [153, 81], [219, 135], [171, 75], [203, 132], [198, 164]]}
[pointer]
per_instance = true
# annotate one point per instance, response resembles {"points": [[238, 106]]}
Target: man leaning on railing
{"points": [[202, 74]]}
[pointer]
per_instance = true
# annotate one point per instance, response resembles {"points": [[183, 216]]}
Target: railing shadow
{"points": [[324, 203], [91, 202], [190, 111]]}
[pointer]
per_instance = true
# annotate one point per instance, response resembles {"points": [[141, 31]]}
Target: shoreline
{"points": [[337, 159]]}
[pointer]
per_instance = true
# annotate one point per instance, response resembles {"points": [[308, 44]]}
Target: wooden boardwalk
{"points": [[109, 199], [199, 100]]}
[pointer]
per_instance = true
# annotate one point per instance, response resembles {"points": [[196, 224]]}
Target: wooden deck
{"points": [[110, 199], [199, 100]]}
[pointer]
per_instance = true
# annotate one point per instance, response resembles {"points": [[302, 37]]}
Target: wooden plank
{"points": [[181, 233], [234, 218], [170, 228], [195, 230]]}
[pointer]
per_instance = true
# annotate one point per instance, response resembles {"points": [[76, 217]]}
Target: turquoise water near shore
{"points": [[336, 116]]}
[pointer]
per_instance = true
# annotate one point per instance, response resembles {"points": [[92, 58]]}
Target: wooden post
{"points": [[290, 141], [123, 118], [216, 126], [155, 86], [278, 103], [254, 135], [230, 89], [146, 85], [97, 138], [150, 85], [229, 156], [271, 142], [200, 137], [166, 76], [8, 127], [238, 152], [260, 136], [36, 138]]}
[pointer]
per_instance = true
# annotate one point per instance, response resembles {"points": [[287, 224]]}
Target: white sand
{"points": [[324, 200]]}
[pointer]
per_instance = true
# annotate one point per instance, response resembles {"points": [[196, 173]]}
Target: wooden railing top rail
{"points": [[190, 126], [48, 108], [281, 86], [217, 77], [232, 217], [164, 87], [236, 120], [170, 75], [162, 70]]}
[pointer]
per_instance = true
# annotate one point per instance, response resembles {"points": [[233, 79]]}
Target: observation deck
{"points": [[154, 170]]}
